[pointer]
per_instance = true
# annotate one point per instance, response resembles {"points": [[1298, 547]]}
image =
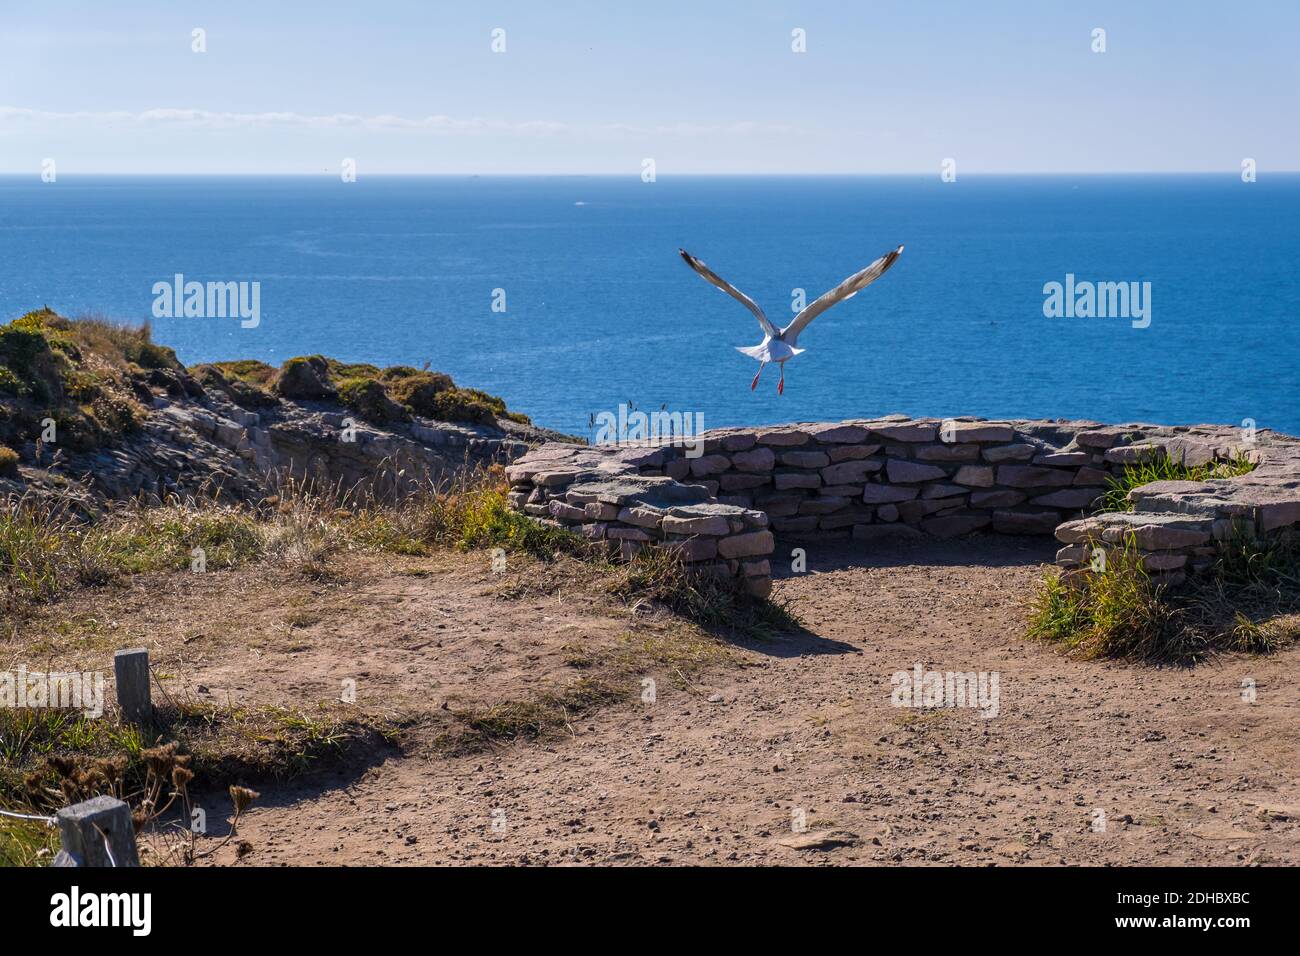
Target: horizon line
{"points": [[1232, 171]]}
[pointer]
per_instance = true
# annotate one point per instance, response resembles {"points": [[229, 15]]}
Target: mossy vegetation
{"points": [[1249, 601], [472, 405], [247, 382], [369, 399], [416, 389], [390, 394], [248, 371], [93, 379], [87, 377]]}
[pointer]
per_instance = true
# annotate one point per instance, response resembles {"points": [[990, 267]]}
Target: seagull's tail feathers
{"points": [[760, 352], [771, 350]]}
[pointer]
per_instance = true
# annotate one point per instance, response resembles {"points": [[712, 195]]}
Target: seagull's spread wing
{"points": [[713, 278], [845, 290]]}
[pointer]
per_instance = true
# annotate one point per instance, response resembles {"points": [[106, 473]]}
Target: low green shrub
{"points": [[249, 371], [78, 373], [368, 398], [415, 389]]}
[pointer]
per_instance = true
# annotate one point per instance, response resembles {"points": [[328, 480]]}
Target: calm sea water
{"points": [[600, 310]]}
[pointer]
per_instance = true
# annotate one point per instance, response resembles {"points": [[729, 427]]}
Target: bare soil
{"points": [[785, 750]]}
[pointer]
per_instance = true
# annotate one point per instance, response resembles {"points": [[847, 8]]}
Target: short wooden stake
{"points": [[131, 668], [97, 832]]}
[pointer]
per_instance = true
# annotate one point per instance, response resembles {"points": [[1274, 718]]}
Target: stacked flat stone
{"points": [[603, 494], [869, 479], [1177, 526]]}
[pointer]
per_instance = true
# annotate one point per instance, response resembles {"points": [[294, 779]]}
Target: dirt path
{"points": [[1183, 769]]}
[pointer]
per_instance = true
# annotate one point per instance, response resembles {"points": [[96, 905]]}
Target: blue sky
{"points": [[886, 86]]}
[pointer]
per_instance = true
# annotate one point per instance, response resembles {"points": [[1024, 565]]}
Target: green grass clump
{"points": [[34, 367], [52, 758], [1246, 601], [1162, 468], [710, 600], [25, 842], [45, 550], [484, 519], [344, 370], [1118, 612], [164, 538]]}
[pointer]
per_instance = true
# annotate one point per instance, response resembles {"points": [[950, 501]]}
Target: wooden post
{"points": [[131, 668], [91, 830]]}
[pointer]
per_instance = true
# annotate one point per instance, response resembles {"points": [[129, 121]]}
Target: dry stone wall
{"points": [[722, 502]]}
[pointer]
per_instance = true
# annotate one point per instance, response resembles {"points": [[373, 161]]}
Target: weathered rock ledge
{"points": [[721, 504], [196, 442]]}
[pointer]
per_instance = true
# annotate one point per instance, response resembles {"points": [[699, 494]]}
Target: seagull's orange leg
{"points": [[754, 384], [780, 386]]}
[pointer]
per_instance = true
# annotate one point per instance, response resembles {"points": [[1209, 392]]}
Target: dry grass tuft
{"points": [[1247, 602]]}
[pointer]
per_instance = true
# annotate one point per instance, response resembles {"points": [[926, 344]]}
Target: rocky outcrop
{"points": [[195, 441], [96, 410], [874, 479], [1177, 525]]}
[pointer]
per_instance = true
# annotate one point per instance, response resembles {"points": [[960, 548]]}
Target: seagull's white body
{"points": [[770, 350], [781, 345]]}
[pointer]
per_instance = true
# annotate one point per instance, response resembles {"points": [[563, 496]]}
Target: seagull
{"points": [[780, 345]]}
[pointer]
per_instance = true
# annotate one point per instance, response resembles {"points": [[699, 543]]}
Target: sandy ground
{"points": [[783, 751], [1174, 762]]}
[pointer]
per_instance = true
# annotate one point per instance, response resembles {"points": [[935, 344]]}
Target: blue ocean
{"points": [[599, 310]]}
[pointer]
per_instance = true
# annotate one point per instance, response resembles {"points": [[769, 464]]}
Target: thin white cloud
{"points": [[439, 123], [746, 128], [208, 119]]}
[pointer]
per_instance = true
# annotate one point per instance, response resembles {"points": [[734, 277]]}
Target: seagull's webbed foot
{"points": [[780, 386], [754, 384]]}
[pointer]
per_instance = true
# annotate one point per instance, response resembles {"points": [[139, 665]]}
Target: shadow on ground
{"points": [[982, 551]]}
